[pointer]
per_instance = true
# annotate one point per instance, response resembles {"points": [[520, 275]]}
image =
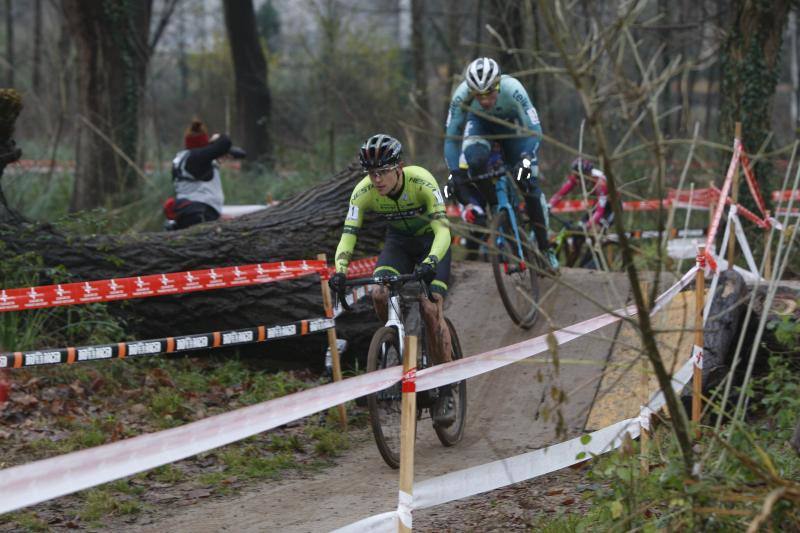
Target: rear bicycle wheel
{"points": [[450, 436], [516, 281], [384, 406]]}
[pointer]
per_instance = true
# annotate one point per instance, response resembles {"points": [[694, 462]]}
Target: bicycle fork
{"points": [[504, 203]]}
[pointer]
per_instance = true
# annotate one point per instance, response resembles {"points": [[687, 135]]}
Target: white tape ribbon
{"points": [[644, 417], [405, 503]]}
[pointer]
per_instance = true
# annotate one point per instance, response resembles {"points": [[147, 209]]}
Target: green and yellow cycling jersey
{"points": [[418, 209]]}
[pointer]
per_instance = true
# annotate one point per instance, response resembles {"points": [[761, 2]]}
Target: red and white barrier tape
{"points": [[724, 193], [753, 184], [50, 478], [152, 347], [155, 285], [785, 195]]}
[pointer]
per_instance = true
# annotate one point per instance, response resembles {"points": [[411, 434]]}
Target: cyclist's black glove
{"points": [[426, 271], [456, 183], [336, 283]]}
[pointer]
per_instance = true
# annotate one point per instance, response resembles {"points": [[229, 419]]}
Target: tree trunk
{"points": [[9, 44], [252, 94], [113, 53], [303, 226], [37, 47], [750, 70], [420, 76]]}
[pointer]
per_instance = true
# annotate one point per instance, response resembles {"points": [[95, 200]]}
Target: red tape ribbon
{"points": [[410, 380]]}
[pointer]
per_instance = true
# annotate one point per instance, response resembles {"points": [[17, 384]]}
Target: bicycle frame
{"points": [[395, 320], [505, 198]]}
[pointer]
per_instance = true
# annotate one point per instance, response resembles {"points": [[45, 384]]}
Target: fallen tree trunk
{"points": [[303, 226]]}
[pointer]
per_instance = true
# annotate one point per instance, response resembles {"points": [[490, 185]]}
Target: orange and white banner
{"points": [[155, 285]]}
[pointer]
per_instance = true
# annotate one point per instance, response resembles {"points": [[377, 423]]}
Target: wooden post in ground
{"points": [[408, 425], [697, 353], [335, 360], [735, 200]]}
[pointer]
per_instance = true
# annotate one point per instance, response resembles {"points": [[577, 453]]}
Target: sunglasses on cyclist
{"points": [[489, 92], [382, 171]]}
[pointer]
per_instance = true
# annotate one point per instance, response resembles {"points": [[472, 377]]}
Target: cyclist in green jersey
{"points": [[418, 239]]}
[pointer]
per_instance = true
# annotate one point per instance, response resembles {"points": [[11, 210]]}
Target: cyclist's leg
{"points": [[439, 343], [394, 259]]}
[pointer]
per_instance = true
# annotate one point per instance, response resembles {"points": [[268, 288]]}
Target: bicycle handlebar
{"points": [[391, 280], [489, 175]]}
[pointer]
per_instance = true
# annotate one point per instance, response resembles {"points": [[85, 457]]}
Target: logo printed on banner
{"points": [[115, 289], [239, 277], [191, 282], [320, 324], [234, 337], [63, 295], [42, 358], [190, 343], [263, 275], [95, 352], [281, 331], [216, 279], [283, 267], [166, 285], [304, 265], [90, 293], [143, 348], [142, 287], [34, 298]]}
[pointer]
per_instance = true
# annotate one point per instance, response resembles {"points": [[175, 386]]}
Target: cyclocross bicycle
{"points": [[516, 263], [386, 350]]}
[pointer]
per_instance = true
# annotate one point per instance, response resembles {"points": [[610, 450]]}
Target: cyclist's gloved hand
{"points": [[336, 283], [527, 168], [457, 176], [426, 270]]}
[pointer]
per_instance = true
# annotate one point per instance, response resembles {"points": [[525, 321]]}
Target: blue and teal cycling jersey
{"points": [[513, 105]]}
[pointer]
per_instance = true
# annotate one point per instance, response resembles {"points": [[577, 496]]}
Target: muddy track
{"points": [[507, 415]]}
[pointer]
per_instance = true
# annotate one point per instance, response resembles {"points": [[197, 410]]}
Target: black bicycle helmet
{"points": [[380, 150], [583, 166]]}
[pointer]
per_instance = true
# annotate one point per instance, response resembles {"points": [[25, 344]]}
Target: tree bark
{"points": [[113, 53], [750, 70], [305, 225], [9, 44], [250, 67], [420, 75], [37, 47]]}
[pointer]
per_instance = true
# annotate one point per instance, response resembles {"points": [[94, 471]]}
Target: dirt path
{"points": [[505, 416]]}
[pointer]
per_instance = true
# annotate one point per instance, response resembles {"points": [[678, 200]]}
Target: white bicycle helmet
{"points": [[482, 74]]}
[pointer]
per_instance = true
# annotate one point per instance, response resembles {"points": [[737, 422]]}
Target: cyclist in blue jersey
{"points": [[480, 110]]}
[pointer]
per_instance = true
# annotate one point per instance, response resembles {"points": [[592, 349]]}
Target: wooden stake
{"points": [[408, 426], [337, 366], [699, 299], [735, 200]]}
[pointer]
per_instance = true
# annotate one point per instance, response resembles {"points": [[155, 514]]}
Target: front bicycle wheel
{"points": [[384, 406], [516, 279], [449, 436]]}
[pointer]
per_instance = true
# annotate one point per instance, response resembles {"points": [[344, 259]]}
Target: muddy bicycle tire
{"points": [[384, 406], [450, 436], [519, 291]]}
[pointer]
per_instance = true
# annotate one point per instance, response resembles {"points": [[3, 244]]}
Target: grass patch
{"points": [[328, 442], [734, 482], [167, 474], [103, 502]]}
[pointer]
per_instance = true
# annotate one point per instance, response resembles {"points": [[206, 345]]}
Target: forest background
{"points": [[300, 84]]}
